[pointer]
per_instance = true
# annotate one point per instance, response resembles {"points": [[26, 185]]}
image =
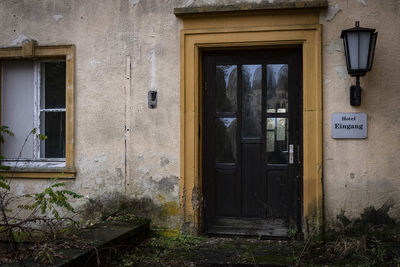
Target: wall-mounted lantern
{"points": [[359, 47]]}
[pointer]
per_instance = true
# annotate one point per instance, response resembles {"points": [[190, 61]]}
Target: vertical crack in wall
{"points": [[153, 69], [127, 119]]}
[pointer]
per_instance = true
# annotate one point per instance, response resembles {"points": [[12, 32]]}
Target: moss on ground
{"points": [[380, 246], [373, 239]]}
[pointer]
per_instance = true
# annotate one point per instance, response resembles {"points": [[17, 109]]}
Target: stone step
{"points": [[101, 241]]}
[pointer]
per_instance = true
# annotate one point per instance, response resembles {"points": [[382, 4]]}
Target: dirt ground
{"points": [[373, 249], [184, 250]]}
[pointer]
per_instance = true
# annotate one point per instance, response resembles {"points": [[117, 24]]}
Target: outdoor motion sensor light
{"points": [[359, 46]]}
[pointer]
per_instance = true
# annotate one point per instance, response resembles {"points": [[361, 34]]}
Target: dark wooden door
{"points": [[252, 141]]}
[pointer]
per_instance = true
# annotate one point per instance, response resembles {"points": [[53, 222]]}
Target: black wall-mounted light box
{"points": [[152, 99]]}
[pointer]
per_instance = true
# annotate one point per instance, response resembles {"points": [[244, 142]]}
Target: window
{"points": [[37, 93]]}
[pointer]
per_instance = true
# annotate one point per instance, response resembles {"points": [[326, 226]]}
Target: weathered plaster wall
{"points": [[111, 93], [362, 173], [124, 48]]}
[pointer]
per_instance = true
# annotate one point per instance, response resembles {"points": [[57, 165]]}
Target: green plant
{"points": [[292, 232], [37, 213], [45, 255]]}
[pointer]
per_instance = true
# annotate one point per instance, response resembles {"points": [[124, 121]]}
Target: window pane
{"points": [[17, 107], [252, 96], [270, 141], [277, 140], [277, 88], [226, 88], [53, 84], [52, 124], [225, 140]]}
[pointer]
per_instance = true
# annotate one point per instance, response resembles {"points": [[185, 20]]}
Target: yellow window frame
{"points": [[29, 50]]}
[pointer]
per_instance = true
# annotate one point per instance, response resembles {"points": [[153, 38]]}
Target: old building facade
{"points": [[239, 86]]}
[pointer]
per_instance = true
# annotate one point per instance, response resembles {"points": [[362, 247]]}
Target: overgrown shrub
{"points": [[31, 216]]}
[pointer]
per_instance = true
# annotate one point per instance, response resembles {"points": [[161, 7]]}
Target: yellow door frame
{"points": [[262, 29]]}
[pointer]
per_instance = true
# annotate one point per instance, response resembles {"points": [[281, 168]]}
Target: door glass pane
{"points": [[52, 125], [226, 88], [52, 84], [252, 96], [225, 140], [277, 140], [277, 88]]}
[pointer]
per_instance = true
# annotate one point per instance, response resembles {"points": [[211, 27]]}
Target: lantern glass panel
{"points": [[352, 42], [372, 50], [364, 39]]}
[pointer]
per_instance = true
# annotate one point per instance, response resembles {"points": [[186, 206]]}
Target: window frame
{"points": [[39, 110], [42, 167]]}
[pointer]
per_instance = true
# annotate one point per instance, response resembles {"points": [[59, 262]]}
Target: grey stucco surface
{"points": [[124, 48]]}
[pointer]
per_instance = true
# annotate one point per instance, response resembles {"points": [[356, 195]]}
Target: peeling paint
{"points": [[327, 81], [189, 3], [332, 11], [342, 72], [20, 189], [164, 161], [133, 2], [362, 2], [334, 46], [94, 62], [57, 17], [196, 198], [19, 40], [166, 184], [120, 175]]}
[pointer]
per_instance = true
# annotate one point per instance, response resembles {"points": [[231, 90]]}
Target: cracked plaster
{"points": [[356, 172]]}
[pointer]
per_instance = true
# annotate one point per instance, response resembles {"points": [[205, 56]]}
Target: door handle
{"points": [[291, 154]]}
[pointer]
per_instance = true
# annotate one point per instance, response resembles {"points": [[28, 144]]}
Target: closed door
{"points": [[252, 141]]}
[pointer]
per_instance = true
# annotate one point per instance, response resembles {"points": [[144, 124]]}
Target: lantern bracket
{"points": [[355, 93]]}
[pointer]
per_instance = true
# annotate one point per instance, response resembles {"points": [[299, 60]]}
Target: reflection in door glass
{"points": [[225, 140], [226, 88], [277, 88], [277, 140], [252, 95]]}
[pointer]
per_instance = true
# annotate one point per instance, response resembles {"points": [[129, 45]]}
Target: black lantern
{"points": [[359, 46]]}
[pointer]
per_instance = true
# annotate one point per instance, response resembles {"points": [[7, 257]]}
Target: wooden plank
{"points": [[225, 192], [249, 227], [253, 193]]}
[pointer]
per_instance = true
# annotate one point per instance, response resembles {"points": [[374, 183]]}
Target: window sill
{"points": [[43, 173]]}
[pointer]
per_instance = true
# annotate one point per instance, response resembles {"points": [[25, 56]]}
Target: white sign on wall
{"points": [[349, 125]]}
